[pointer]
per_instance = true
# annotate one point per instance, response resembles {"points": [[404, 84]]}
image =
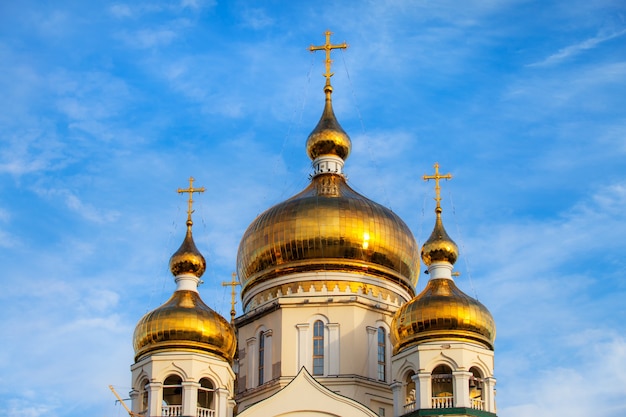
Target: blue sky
{"points": [[106, 108]]}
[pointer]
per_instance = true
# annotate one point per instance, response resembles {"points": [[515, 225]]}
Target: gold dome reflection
{"points": [[184, 322], [328, 225], [442, 311]]}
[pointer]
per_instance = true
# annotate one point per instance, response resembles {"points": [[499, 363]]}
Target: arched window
{"points": [[172, 396], [261, 356], [476, 389], [443, 396], [206, 398], [144, 396], [318, 348], [382, 354], [409, 393]]}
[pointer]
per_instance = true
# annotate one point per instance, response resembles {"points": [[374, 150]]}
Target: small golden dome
{"points": [[328, 226], [442, 311], [328, 137], [188, 259], [184, 322], [439, 246]]}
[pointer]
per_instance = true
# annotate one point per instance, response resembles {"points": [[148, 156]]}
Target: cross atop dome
{"points": [[437, 177], [328, 47], [190, 190]]}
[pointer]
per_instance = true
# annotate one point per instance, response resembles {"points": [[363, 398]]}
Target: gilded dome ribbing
{"points": [[184, 322], [188, 259], [328, 137], [328, 227], [442, 311], [439, 246]]}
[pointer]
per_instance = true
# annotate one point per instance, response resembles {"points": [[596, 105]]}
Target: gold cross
{"points": [[437, 177], [328, 47], [233, 301], [190, 190]]}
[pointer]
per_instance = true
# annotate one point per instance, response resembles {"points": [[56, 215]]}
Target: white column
{"points": [[135, 401], [304, 357], [398, 403], [372, 351], [333, 349], [461, 388], [190, 398], [267, 356], [251, 373], [155, 399], [489, 392], [221, 408], [423, 388]]}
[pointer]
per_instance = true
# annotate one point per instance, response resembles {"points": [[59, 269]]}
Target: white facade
{"points": [[350, 328], [203, 385]]}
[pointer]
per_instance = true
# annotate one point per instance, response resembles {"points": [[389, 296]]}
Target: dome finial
{"points": [[188, 259], [190, 190], [437, 177], [328, 145], [328, 47], [439, 246]]}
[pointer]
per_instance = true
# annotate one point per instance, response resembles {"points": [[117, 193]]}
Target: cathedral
{"points": [[331, 324]]}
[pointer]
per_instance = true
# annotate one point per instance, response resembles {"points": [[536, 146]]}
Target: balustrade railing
{"points": [[172, 410], [205, 412], [408, 407], [478, 404], [442, 402]]}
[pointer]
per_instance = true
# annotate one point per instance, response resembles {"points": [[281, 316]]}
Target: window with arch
{"points": [[143, 396], [261, 367], [206, 398], [318, 348], [442, 391], [410, 389], [476, 389], [382, 355], [172, 396]]}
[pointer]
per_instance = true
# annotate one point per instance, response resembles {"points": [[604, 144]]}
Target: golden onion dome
{"points": [[328, 138], [188, 259], [184, 322], [439, 247], [442, 311], [328, 226]]}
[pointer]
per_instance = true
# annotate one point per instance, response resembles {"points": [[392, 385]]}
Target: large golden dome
{"points": [[328, 226], [185, 321], [442, 311]]}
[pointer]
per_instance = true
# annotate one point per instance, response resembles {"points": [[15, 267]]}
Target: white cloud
{"points": [[577, 48], [256, 18], [121, 10]]}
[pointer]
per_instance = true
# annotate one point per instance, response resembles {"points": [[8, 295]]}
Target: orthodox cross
{"points": [[232, 284], [437, 177], [190, 190], [328, 47]]}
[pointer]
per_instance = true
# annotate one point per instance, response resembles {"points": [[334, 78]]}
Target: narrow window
{"points": [[476, 389], [318, 348], [443, 395], [172, 396], [144, 396], [382, 354], [205, 397], [261, 356]]}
